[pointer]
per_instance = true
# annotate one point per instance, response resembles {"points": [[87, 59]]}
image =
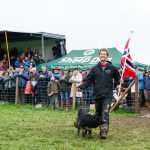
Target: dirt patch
{"points": [[143, 119]]}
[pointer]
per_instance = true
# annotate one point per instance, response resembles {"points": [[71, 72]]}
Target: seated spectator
{"points": [[29, 52], [12, 61], [17, 63], [26, 62]]}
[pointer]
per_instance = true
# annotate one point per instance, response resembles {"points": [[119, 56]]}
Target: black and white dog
{"points": [[85, 122]]}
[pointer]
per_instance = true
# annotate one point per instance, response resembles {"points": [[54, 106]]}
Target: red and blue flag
{"points": [[128, 69]]}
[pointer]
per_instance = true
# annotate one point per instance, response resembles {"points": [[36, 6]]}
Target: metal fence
{"points": [[132, 100]]}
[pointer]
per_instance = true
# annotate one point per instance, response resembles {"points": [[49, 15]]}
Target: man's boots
{"points": [[103, 131]]}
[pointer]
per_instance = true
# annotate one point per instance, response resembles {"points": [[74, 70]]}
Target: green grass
{"points": [[28, 128]]}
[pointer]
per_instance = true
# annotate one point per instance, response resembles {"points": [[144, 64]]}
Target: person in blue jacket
{"points": [[22, 79], [147, 89]]}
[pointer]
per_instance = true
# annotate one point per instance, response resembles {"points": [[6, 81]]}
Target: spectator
{"points": [[22, 79], [26, 62], [42, 86], [34, 78], [1, 84], [64, 88], [29, 52], [76, 80], [9, 85], [17, 63], [147, 90], [140, 86], [52, 90], [56, 73]]}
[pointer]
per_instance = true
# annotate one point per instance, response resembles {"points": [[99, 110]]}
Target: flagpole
{"points": [[7, 49]]}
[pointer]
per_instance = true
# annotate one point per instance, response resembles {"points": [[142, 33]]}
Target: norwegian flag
{"points": [[128, 69]]}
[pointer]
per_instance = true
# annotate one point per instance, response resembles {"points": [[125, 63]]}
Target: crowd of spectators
{"points": [[50, 88]]}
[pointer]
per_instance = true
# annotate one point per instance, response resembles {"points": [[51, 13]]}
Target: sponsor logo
{"points": [[89, 52]]}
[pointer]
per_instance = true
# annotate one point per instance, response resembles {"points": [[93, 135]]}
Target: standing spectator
{"points": [[64, 89], [22, 79], [87, 93], [143, 96], [101, 76], [42, 86], [141, 86], [76, 80], [147, 89], [52, 90], [1, 84], [9, 85], [34, 78], [56, 73], [17, 63]]}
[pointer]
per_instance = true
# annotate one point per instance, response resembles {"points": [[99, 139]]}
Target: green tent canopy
{"points": [[86, 59]]}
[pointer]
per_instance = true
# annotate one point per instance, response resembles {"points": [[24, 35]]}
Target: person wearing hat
{"points": [[56, 73], [147, 89]]}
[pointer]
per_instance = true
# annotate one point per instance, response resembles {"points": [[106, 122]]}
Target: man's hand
{"points": [[121, 81]]}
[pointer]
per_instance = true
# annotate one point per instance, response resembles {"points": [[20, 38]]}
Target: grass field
{"points": [[28, 128]]}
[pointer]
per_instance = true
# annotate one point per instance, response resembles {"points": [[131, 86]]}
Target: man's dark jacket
{"points": [[102, 80]]}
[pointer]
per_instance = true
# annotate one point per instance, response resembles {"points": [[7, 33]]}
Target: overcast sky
{"points": [[86, 23]]}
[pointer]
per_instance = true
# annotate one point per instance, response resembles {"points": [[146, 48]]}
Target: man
{"points": [[22, 80], [42, 86], [64, 88], [101, 76], [147, 89]]}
